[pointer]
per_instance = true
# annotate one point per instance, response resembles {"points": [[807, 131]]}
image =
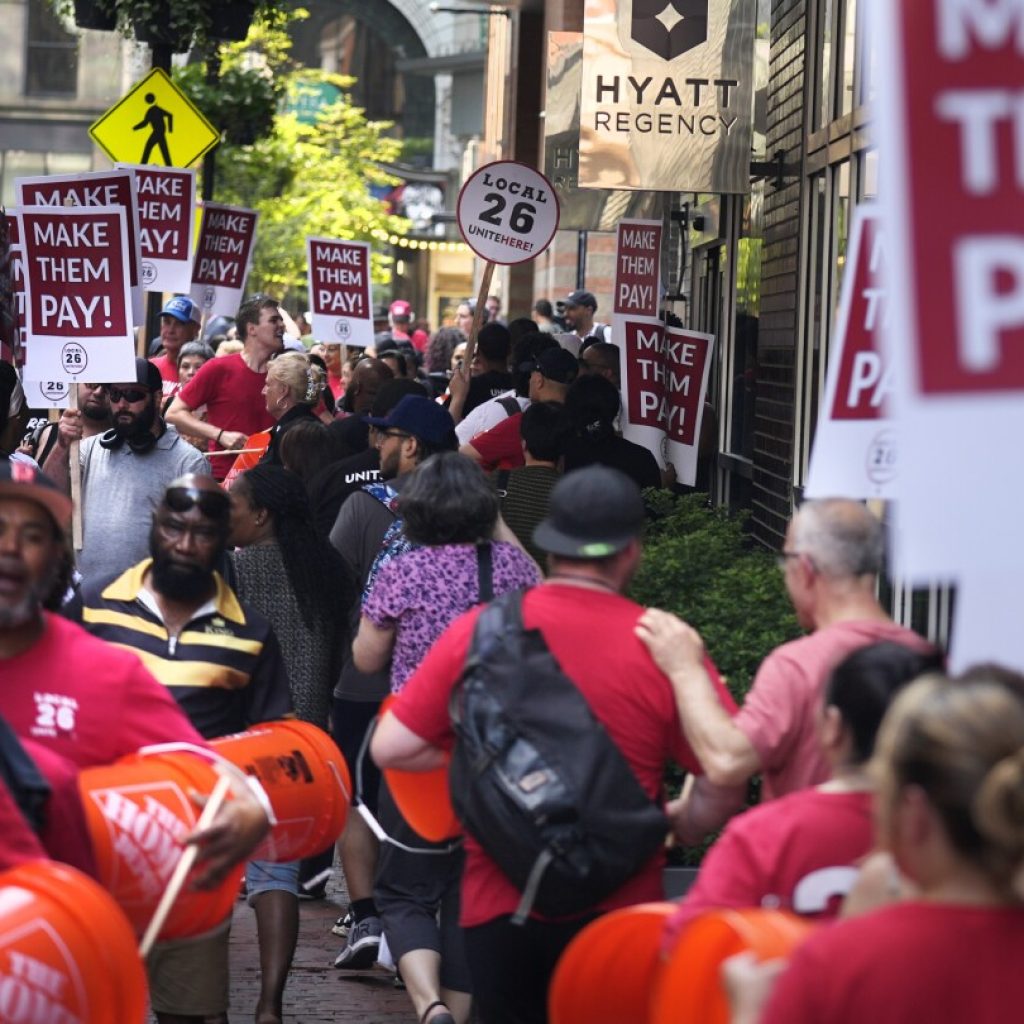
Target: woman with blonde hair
{"points": [[949, 768], [291, 391]]}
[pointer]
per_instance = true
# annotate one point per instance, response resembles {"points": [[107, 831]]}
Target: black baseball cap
{"points": [[594, 513], [556, 364], [581, 298], [25, 482]]}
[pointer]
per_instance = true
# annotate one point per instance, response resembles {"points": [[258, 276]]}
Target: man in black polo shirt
{"points": [[222, 663]]}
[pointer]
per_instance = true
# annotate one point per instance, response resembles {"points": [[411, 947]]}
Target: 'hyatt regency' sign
{"points": [[667, 95]]}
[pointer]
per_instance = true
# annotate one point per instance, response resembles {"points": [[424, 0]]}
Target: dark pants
{"points": [[511, 966], [349, 721], [417, 896]]}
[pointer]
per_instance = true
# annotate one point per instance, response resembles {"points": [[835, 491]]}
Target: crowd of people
{"points": [[280, 530]]}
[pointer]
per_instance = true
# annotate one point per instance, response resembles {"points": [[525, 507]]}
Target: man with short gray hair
{"points": [[831, 559]]}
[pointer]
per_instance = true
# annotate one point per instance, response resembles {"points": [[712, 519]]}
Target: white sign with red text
{"points": [[664, 389], [222, 259], [167, 205], [952, 141], [855, 450], [507, 212], [78, 306], [339, 291], [98, 188]]}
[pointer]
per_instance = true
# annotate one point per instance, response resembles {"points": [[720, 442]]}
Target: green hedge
{"points": [[699, 563]]}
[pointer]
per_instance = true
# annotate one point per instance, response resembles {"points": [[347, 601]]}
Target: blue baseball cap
{"points": [[422, 418], [182, 308]]}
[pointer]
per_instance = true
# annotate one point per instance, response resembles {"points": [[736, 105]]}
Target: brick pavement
{"points": [[317, 993]]}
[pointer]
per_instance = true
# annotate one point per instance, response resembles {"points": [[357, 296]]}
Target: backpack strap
{"points": [[485, 571], [509, 404], [23, 779], [501, 482]]}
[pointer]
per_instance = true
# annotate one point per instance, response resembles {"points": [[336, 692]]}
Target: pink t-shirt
{"points": [[780, 714], [796, 853], [233, 396]]}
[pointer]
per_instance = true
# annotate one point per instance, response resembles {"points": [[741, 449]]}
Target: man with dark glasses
{"points": [[221, 662], [124, 472]]}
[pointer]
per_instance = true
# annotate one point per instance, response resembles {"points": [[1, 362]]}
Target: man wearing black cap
{"points": [[501, 447], [413, 430], [124, 472], [592, 536], [580, 307]]}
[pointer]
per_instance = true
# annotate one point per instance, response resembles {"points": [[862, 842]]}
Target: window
{"points": [[51, 54]]}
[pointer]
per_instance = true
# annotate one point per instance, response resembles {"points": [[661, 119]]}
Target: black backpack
{"points": [[536, 779]]}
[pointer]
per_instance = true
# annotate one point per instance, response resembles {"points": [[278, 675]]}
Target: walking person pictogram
{"points": [[160, 122]]}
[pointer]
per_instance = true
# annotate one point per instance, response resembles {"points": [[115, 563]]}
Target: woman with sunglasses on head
{"points": [[949, 771], [300, 583]]}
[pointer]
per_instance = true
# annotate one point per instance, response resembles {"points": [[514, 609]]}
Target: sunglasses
{"points": [[127, 394], [213, 504]]}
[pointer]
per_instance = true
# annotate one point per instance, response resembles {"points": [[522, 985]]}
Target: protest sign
{"points": [[339, 291], [952, 140], [637, 268], [223, 257], [167, 200], [507, 212], [665, 385], [855, 451], [100, 188], [78, 302]]}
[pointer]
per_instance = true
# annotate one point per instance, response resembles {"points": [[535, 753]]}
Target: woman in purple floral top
{"points": [[450, 512]]}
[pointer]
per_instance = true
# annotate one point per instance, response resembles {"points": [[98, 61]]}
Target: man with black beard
{"points": [[124, 472], [222, 663]]}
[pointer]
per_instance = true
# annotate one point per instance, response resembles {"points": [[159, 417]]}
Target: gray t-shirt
{"points": [[357, 534], [120, 489]]}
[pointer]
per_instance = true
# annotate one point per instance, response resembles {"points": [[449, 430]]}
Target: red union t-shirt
{"points": [[233, 396], [780, 713], [797, 853], [18, 843], [917, 961], [590, 633]]}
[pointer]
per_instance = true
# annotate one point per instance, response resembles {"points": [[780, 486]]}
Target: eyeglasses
{"points": [[213, 504], [127, 394]]}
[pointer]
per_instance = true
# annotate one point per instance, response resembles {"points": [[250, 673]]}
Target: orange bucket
{"points": [[422, 797], [67, 953], [607, 972], [304, 776], [689, 989], [138, 813]]}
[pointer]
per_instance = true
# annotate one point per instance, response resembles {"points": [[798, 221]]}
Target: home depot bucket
{"points": [[605, 975], [138, 811], [688, 990], [67, 954], [422, 798], [304, 776]]}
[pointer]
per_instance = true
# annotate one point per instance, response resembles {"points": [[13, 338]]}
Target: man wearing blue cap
{"points": [[179, 324]]}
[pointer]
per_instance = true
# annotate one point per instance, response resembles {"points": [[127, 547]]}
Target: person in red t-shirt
{"points": [[592, 535], [231, 387], [950, 771], [81, 699], [800, 852], [179, 324], [831, 558]]}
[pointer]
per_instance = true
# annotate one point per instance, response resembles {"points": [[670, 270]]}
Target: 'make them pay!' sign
{"points": [[339, 291], [222, 260], [78, 301], [952, 134], [855, 450]]}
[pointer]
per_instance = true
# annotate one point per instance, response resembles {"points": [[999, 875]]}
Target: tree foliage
{"points": [[303, 179]]}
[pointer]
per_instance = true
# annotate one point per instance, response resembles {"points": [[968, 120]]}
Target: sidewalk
{"points": [[317, 993]]}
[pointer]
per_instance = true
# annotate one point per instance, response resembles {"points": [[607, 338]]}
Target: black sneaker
{"points": [[361, 945], [343, 925]]}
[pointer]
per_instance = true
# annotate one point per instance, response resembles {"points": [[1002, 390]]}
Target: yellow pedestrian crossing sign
{"points": [[154, 123]]}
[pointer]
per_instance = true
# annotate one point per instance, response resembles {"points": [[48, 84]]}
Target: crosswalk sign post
{"points": [[154, 123]]}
